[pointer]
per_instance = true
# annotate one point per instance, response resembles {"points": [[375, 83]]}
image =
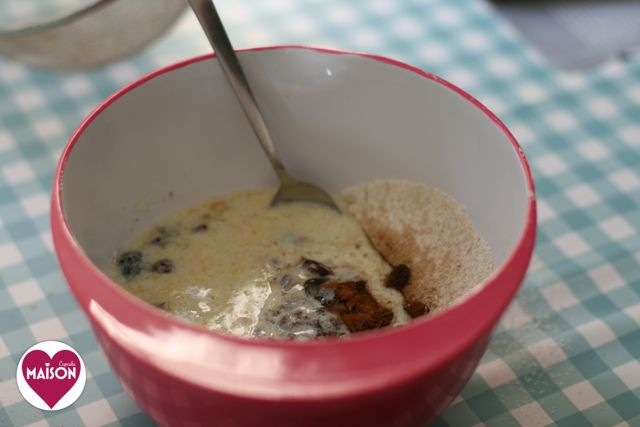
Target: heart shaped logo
{"points": [[51, 375]]}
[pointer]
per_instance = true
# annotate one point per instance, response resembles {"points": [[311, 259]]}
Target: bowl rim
{"points": [[378, 372], [57, 20]]}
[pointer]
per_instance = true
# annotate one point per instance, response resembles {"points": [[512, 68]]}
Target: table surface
{"points": [[567, 350]]}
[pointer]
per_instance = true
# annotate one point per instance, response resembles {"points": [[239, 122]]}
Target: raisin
{"points": [[130, 264], [200, 228], [314, 281], [273, 262], [326, 328], [415, 308], [158, 241], [315, 267], [312, 287], [163, 237], [325, 296], [162, 266], [286, 282], [161, 305], [398, 277]]}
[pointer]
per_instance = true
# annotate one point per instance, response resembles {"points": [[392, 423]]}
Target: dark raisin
{"points": [[315, 267], [162, 266], [158, 241], [398, 277], [415, 308], [286, 282], [200, 228], [312, 286], [130, 264], [273, 262], [161, 305], [162, 238], [325, 296], [315, 281]]}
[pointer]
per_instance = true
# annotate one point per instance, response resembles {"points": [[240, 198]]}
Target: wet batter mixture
{"points": [[237, 265]]}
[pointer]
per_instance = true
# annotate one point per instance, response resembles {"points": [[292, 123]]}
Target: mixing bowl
{"points": [[178, 136], [86, 33]]}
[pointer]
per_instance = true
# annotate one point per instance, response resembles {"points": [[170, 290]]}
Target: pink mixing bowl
{"points": [[177, 136]]}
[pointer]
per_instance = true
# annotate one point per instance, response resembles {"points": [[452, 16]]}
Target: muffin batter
{"points": [[237, 265]]}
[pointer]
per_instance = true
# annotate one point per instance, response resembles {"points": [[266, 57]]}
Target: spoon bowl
{"points": [[298, 191]]}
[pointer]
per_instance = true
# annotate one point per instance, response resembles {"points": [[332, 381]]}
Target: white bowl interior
{"points": [[337, 120]]}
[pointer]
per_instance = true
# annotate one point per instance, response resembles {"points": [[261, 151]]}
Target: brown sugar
{"points": [[426, 230]]}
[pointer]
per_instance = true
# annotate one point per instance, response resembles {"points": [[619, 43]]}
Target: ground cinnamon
{"points": [[351, 301]]}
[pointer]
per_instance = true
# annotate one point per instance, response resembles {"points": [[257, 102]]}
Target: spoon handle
{"points": [[213, 28]]}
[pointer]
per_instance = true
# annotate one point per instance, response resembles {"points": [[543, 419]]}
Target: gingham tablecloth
{"points": [[566, 352]]}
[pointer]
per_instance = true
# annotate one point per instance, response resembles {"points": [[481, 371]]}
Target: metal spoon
{"points": [[291, 190]]}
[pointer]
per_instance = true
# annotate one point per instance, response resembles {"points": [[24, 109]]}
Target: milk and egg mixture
{"points": [[237, 265]]}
